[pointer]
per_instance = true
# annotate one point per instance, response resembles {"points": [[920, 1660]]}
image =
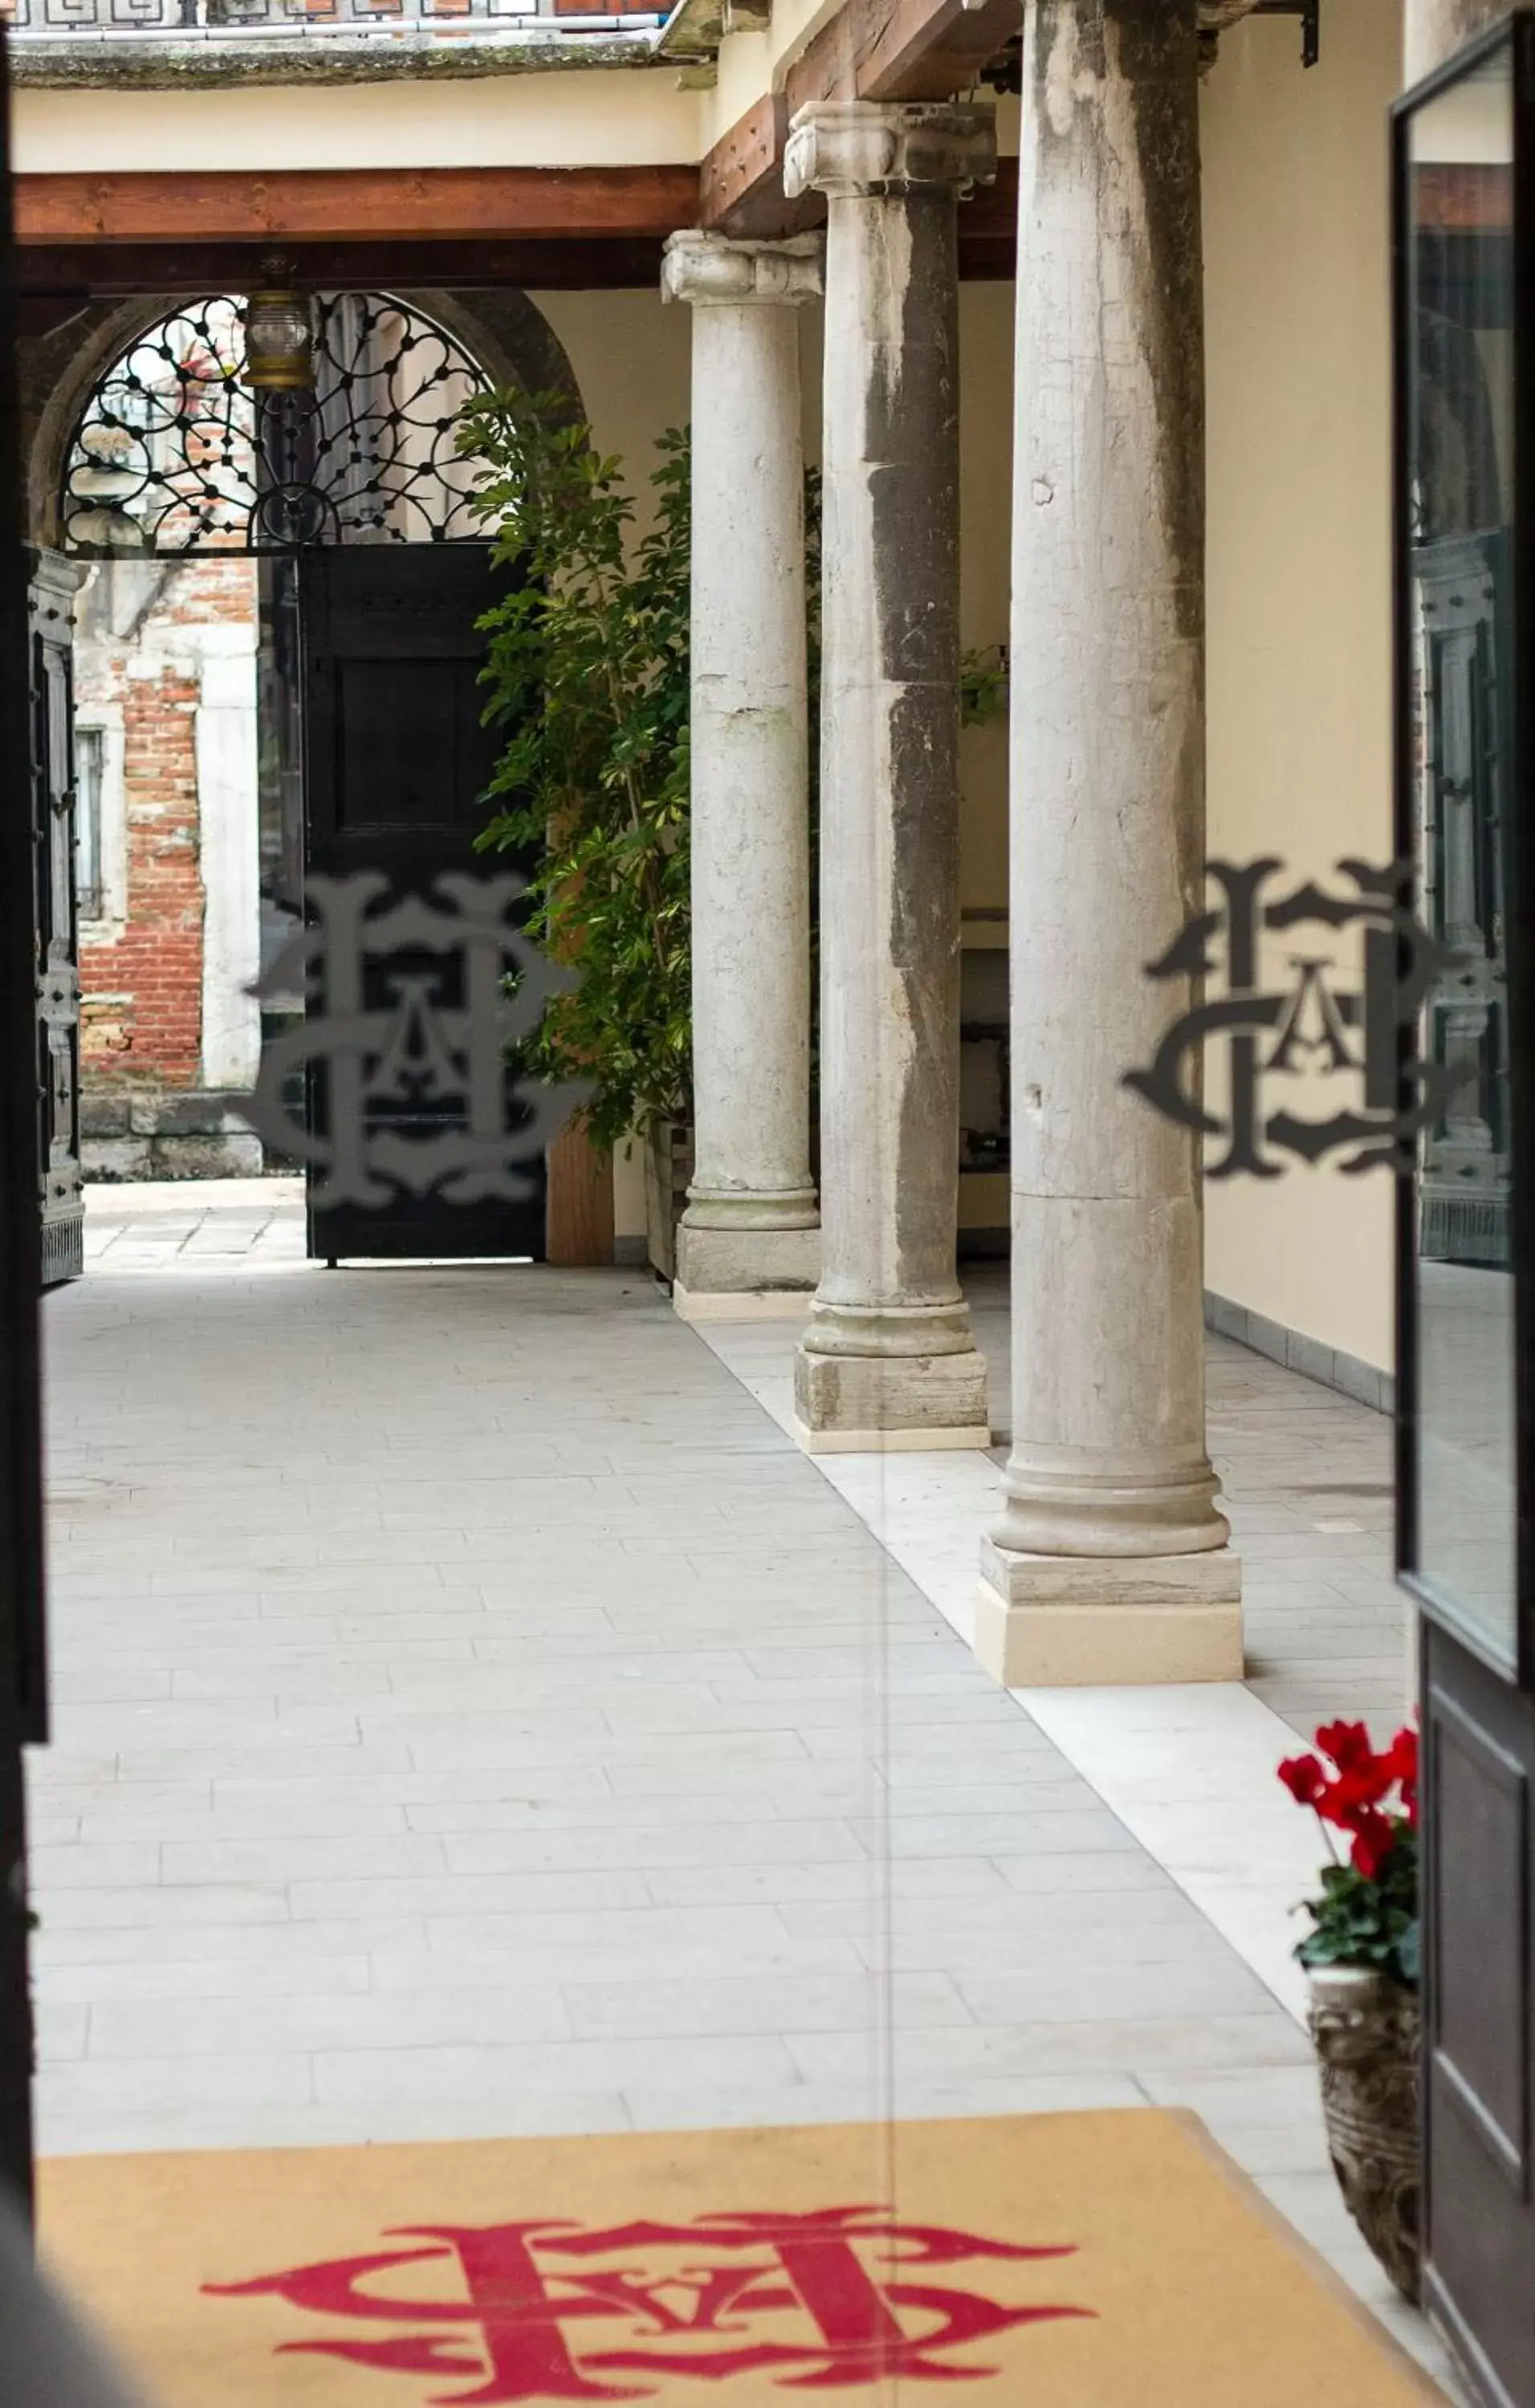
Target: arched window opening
{"points": [[175, 452]]}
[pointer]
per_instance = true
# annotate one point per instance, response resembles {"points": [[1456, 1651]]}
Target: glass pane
{"points": [[1460, 390]]}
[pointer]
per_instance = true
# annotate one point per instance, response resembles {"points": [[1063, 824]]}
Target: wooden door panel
{"points": [[1481, 1943], [401, 719], [398, 760], [1479, 1759]]}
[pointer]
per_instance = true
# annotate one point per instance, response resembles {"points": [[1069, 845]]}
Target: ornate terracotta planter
{"points": [[1366, 2031]]}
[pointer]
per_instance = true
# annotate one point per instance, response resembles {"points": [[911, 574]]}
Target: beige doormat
{"points": [[1108, 2260]]}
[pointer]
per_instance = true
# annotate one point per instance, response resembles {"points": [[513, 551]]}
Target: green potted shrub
{"points": [[587, 669]]}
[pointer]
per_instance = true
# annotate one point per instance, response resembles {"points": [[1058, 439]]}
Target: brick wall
{"points": [[141, 988]]}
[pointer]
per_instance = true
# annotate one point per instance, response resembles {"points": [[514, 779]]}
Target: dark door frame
{"points": [[1478, 1684], [23, 1667]]}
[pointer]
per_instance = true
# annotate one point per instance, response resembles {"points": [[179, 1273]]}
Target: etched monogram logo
{"points": [[412, 1009], [1358, 1031], [547, 2311]]}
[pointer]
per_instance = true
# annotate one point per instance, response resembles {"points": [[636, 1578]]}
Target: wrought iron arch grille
{"points": [[174, 453]]}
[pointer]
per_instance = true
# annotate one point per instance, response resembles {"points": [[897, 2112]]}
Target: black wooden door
{"points": [[1465, 749], [396, 762], [1464, 1373], [60, 1189], [23, 1691], [1479, 1806]]}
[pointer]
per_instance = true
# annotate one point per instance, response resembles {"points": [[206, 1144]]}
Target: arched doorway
{"points": [[276, 688]]}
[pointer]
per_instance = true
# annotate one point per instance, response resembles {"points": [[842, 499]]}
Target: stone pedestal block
{"points": [[890, 1404], [735, 1274], [1052, 1622]]}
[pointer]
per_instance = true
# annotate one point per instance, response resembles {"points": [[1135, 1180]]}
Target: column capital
{"points": [[848, 149], [709, 267]]}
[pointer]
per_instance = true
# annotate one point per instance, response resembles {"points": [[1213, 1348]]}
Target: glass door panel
{"points": [[1458, 462]]}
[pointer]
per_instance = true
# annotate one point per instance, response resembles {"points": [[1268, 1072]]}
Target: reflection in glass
{"points": [[1460, 465]]}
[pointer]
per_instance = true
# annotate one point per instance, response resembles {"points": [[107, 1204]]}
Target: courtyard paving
{"points": [[475, 1716]]}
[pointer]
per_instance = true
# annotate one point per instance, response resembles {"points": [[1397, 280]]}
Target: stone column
{"points": [[1110, 1563], [749, 1243], [1434, 30], [888, 1360]]}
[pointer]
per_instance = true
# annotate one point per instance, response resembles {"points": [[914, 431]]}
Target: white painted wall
{"points": [[227, 807]]}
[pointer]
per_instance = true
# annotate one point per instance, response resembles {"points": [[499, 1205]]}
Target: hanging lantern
{"points": [[278, 334]]}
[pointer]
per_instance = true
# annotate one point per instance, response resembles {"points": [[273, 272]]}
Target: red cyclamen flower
{"points": [[1374, 1837], [1402, 1757], [1304, 1778], [1347, 1744]]}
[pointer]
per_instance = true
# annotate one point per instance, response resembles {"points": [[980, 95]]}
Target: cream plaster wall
{"points": [[1297, 352], [566, 118], [629, 354], [633, 117]]}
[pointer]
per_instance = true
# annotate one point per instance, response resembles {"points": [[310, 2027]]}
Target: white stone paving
{"points": [[1189, 1770], [474, 1716]]}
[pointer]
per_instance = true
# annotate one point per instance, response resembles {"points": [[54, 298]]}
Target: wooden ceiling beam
{"points": [[352, 204], [919, 51], [901, 49], [740, 182], [104, 271], [872, 50]]}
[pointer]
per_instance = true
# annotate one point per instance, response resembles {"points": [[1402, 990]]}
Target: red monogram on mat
{"points": [[548, 2310]]}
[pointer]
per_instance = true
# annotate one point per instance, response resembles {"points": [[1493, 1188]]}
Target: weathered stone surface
{"points": [[1434, 30], [190, 1135], [846, 1403], [177, 59], [1108, 1462], [889, 1345], [868, 149], [234, 1155], [752, 1187], [195, 1113], [116, 1157], [735, 1261]]}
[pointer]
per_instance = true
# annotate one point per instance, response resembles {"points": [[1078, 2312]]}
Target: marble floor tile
{"points": [[476, 1716]]}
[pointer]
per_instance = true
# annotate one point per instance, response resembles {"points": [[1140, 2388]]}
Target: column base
{"points": [[1090, 1621], [739, 1304], [901, 1404], [745, 1274]]}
